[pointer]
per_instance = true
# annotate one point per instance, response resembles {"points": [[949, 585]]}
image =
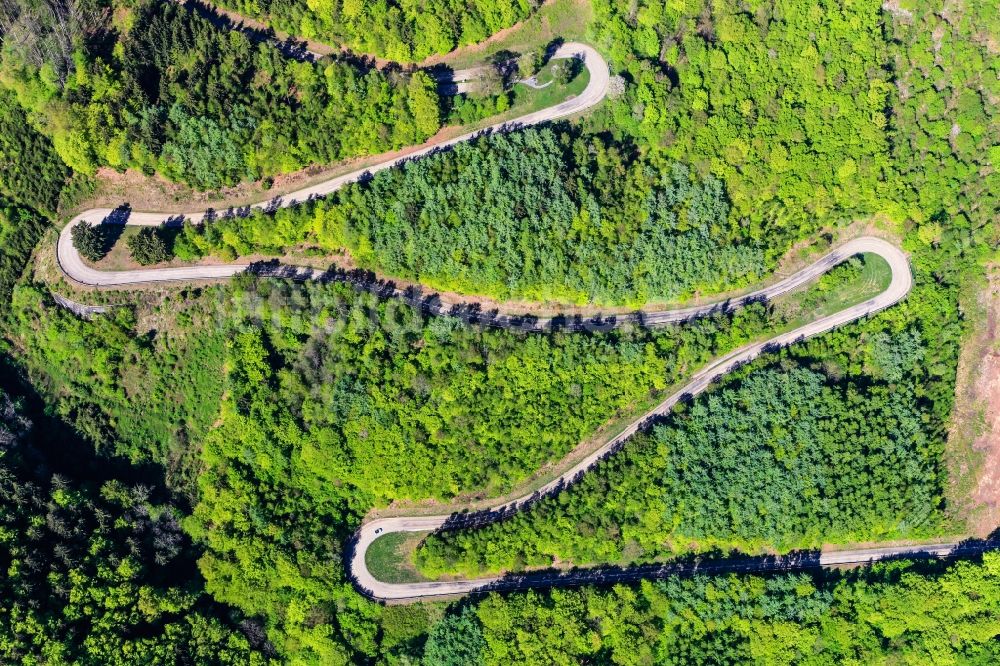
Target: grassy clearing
{"points": [[558, 19], [850, 283], [390, 557], [118, 256], [528, 99]]}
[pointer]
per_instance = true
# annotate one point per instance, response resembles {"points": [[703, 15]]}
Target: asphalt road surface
{"points": [[707, 565]]}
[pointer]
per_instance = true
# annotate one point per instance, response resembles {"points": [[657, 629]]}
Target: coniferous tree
{"points": [[88, 241], [148, 247]]}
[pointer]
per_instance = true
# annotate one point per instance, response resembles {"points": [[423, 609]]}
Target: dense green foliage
{"points": [[811, 113], [273, 524], [535, 215], [32, 179], [148, 247], [149, 394], [785, 102], [329, 411], [34, 183], [286, 412], [163, 90], [946, 125], [782, 457], [438, 407], [324, 418], [336, 402], [30, 171], [20, 229], [91, 571], [762, 464], [397, 30], [893, 614], [457, 640], [410, 401]]}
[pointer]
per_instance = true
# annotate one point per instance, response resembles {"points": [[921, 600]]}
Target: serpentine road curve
{"points": [[73, 266], [899, 286]]}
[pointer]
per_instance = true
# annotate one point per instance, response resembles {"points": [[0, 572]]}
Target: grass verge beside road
{"points": [[390, 557], [529, 100], [852, 282]]}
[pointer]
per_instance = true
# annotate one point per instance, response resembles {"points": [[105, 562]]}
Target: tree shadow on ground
{"points": [[57, 447], [112, 227], [925, 561]]}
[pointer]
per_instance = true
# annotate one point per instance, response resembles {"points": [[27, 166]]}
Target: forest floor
{"points": [[973, 454]]}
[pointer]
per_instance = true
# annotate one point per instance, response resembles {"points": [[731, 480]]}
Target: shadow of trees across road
{"points": [[474, 314], [111, 228], [925, 561]]}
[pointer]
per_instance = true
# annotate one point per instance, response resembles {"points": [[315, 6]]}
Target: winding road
{"points": [[74, 267], [899, 286]]}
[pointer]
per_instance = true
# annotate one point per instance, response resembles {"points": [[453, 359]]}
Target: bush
{"points": [[530, 64]]}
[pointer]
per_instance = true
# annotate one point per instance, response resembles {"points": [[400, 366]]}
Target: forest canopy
{"points": [[763, 463], [895, 613], [536, 215], [31, 172], [786, 102], [93, 569], [405, 31], [163, 90], [266, 419]]}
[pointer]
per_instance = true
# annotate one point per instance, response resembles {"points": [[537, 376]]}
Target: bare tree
{"points": [[44, 32]]}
